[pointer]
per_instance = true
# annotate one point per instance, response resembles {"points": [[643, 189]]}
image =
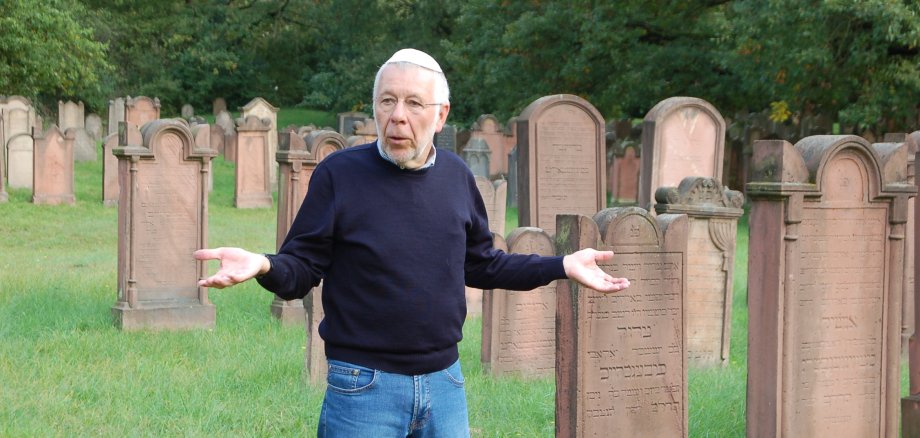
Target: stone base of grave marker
{"points": [[288, 312], [171, 315]]}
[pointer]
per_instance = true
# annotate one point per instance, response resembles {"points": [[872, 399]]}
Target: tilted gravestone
{"points": [[162, 219], [825, 267], [53, 173], [518, 327], [681, 137], [561, 160], [713, 213], [253, 187], [621, 365]]}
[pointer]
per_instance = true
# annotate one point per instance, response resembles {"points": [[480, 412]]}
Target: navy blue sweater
{"points": [[394, 248]]}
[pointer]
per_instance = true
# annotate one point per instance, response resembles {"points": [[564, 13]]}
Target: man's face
{"points": [[406, 133]]}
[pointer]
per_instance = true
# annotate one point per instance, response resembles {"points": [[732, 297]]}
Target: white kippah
{"points": [[416, 57]]}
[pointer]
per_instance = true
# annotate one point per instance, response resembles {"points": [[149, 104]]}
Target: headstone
{"points": [[20, 165], [187, 111], [70, 115], [260, 108], [681, 136], [297, 159], [494, 196], [110, 187], [625, 176], [218, 106], [315, 354], [620, 357], [519, 327], [365, 132], [116, 114], [84, 147], [217, 139], [231, 141], [713, 213], [225, 121], [346, 122], [476, 154], [4, 196], [162, 219], [825, 266], [561, 161], [253, 187], [488, 129], [513, 179], [446, 138], [142, 109], [910, 405], [53, 172], [93, 124]]}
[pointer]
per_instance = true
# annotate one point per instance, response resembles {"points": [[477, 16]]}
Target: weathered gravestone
{"points": [[110, 188], [217, 138], [20, 157], [620, 358], [561, 160], [476, 154], [218, 105], [187, 111], [625, 178], [681, 136], [446, 138], [93, 125], [825, 266], [70, 115], [713, 213], [489, 130], [297, 158], [494, 196], [910, 405], [116, 114], [253, 187], [142, 109], [365, 132], [315, 354], [162, 219], [260, 108], [346, 122], [519, 327], [53, 172]]}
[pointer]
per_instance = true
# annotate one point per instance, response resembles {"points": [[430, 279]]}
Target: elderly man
{"points": [[395, 229]]}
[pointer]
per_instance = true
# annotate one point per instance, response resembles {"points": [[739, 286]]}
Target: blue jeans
{"points": [[363, 402]]}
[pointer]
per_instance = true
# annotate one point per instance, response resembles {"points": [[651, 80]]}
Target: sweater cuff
{"points": [[553, 268]]}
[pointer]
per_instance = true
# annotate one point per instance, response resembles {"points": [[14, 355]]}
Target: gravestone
{"points": [[446, 138], [110, 187], [910, 405], [488, 129], [620, 358], [297, 158], [187, 112], [217, 139], [476, 154], [4, 196], [70, 115], [518, 327], [260, 108], [712, 211], [53, 173], [142, 109], [561, 161], [20, 161], [365, 132], [93, 125], [253, 187], [231, 142], [494, 196], [84, 147], [346, 122], [825, 266], [315, 353], [162, 219], [681, 136], [625, 170], [218, 105], [116, 114]]}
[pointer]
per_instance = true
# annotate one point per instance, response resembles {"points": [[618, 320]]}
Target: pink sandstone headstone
{"points": [[519, 327], [910, 405], [53, 173], [621, 365], [253, 188], [365, 132], [260, 108], [825, 267], [712, 211], [217, 139], [495, 197], [681, 136], [561, 160], [625, 177], [297, 159], [489, 129], [142, 109], [315, 354], [70, 115], [162, 219], [20, 159], [110, 188]]}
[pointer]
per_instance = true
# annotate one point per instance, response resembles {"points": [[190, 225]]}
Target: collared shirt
{"points": [[429, 163]]}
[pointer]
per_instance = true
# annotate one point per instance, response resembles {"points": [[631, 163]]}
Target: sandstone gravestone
{"points": [[346, 122], [518, 327], [187, 111], [824, 271], [260, 108], [297, 158], [476, 154], [116, 114], [4, 196], [365, 132], [561, 161], [910, 405], [53, 172], [315, 353], [625, 178], [218, 105], [20, 161], [110, 188], [713, 213], [620, 358], [489, 130], [93, 125], [494, 196], [162, 219], [84, 147], [70, 115], [253, 187], [142, 109], [681, 136]]}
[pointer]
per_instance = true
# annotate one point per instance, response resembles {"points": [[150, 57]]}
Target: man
{"points": [[395, 229]]}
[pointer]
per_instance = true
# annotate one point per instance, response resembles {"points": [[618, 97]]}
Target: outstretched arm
{"points": [[581, 266], [236, 266]]}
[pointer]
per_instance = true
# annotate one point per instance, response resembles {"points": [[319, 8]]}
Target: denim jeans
{"points": [[362, 402]]}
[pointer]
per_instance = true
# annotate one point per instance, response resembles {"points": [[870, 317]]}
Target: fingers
{"points": [[207, 254], [602, 256]]}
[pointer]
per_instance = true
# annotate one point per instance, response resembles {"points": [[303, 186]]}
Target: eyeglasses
{"points": [[413, 105]]}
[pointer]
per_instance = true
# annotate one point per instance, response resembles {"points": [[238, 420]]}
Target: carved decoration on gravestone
{"points": [[620, 358], [713, 213], [53, 173], [116, 114], [162, 219], [253, 186], [142, 109], [681, 137], [346, 122], [518, 327], [488, 129], [825, 266], [446, 138], [297, 159], [20, 152], [260, 108], [476, 154], [110, 188], [561, 160]]}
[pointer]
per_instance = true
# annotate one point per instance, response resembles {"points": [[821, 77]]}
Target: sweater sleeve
{"points": [[306, 252]]}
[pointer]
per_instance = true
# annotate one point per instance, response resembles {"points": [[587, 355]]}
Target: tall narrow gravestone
{"points": [[260, 108], [110, 188], [561, 160], [825, 267], [519, 327], [253, 187], [53, 172], [162, 219], [620, 358], [713, 213], [910, 405], [681, 137]]}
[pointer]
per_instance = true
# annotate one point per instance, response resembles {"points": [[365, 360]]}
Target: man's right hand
{"points": [[236, 266]]}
